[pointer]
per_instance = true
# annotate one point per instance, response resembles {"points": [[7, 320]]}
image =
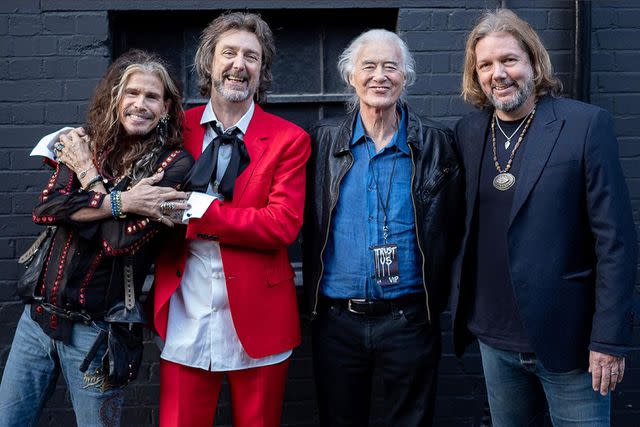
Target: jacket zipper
{"points": [[314, 313], [415, 220]]}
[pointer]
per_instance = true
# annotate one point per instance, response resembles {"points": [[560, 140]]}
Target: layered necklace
{"points": [[505, 180], [507, 143]]}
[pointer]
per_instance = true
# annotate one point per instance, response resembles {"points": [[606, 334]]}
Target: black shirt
{"points": [[494, 317]]}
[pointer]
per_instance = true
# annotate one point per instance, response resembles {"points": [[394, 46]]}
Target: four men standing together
{"points": [[522, 211]]}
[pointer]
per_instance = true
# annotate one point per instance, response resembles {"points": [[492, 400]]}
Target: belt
{"points": [[375, 307], [74, 316]]}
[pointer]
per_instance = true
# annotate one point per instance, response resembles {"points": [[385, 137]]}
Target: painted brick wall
{"points": [[50, 63], [615, 86], [52, 52]]}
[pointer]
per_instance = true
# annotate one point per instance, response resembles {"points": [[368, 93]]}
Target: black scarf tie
{"points": [[205, 169]]}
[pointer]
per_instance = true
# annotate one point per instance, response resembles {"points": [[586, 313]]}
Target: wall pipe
{"points": [[582, 51]]}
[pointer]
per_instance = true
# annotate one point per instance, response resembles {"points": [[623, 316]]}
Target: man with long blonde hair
{"points": [[548, 263]]}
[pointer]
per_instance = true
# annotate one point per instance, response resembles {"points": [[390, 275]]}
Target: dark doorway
{"points": [[306, 84]]}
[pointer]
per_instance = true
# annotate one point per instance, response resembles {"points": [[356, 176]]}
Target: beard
{"points": [[518, 99], [234, 95]]}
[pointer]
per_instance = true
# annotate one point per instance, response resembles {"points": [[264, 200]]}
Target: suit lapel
{"points": [[256, 140], [476, 135], [536, 148]]}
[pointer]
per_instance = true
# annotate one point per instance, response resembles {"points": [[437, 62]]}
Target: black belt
{"points": [[375, 307], [74, 316]]}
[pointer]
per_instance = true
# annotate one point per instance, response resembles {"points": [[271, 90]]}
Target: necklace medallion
{"points": [[504, 181]]}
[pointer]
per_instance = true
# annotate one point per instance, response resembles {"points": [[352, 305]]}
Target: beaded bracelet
{"points": [[116, 205], [115, 212], [122, 214], [96, 179], [119, 199]]}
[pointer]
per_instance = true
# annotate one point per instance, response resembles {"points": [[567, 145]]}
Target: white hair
{"points": [[348, 58]]}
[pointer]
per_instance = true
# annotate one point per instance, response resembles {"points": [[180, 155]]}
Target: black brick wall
{"points": [[52, 53]]}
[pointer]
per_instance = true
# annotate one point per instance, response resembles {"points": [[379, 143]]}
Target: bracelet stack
{"points": [[116, 205]]}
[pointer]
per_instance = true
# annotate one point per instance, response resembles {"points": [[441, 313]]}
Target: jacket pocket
{"points": [[280, 275], [562, 163], [578, 275], [434, 185]]}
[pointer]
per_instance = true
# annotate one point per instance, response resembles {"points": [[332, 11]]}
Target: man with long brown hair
{"points": [[105, 199], [225, 299], [548, 263]]}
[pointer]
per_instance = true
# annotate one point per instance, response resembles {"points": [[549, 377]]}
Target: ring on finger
{"points": [[160, 218], [58, 146], [167, 206]]}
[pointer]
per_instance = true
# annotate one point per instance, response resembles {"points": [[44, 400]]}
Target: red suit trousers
{"points": [[189, 396]]}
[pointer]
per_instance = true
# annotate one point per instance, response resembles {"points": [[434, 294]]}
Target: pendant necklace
{"points": [[505, 180], [509, 138]]}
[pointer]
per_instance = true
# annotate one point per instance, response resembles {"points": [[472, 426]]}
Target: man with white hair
{"points": [[384, 191]]}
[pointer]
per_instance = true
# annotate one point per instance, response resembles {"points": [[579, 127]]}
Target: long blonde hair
{"points": [[504, 20]]}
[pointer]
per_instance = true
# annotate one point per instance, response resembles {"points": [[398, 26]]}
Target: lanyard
{"points": [[383, 205]]}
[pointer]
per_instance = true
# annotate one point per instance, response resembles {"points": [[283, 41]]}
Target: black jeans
{"points": [[402, 345]]}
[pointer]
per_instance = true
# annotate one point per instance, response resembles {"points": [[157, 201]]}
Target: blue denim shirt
{"points": [[358, 217]]}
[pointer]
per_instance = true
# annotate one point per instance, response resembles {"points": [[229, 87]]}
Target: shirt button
{"points": [[215, 309]]}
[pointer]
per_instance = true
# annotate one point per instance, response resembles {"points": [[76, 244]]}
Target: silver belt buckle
{"points": [[349, 308]]}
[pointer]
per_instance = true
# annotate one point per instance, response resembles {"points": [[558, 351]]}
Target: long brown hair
{"points": [[504, 20], [111, 155], [249, 22]]}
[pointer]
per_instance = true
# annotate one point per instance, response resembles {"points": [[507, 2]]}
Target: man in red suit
{"points": [[225, 301]]}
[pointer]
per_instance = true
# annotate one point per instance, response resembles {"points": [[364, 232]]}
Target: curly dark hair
{"points": [[111, 156]]}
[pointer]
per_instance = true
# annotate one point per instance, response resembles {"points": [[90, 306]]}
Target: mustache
{"points": [[142, 113], [507, 82], [242, 75]]}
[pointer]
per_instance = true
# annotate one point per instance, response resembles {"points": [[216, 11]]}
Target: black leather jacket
{"points": [[437, 193]]}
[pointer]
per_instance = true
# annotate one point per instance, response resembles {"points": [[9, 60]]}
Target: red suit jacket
{"points": [[254, 231]]}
